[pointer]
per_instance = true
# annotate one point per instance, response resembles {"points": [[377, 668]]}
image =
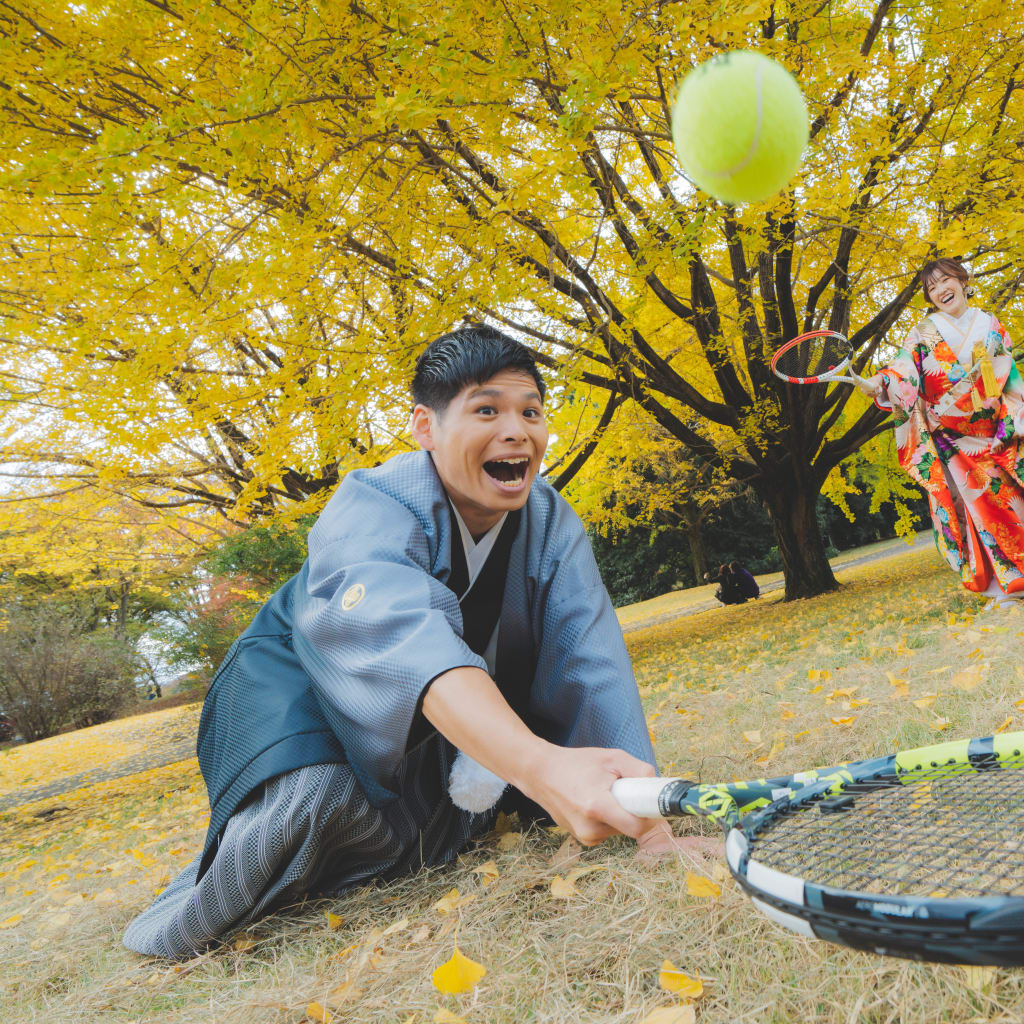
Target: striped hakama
{"points": [[311, 831]]}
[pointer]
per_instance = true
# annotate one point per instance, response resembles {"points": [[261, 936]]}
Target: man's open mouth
{"points": [[508, 472]]}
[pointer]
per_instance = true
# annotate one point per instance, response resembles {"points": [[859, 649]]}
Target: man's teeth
{"points": [[507, 471]]}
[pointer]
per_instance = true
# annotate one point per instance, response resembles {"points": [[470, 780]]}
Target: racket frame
{"points": [[835, 374], [961, 930]]}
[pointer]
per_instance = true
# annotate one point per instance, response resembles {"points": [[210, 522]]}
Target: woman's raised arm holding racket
{"points": [[818, 357]]}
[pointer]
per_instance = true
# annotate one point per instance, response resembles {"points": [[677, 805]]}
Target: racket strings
{"points": [[813, 357], [944, 835]]}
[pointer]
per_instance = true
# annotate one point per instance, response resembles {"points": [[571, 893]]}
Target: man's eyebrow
{"points": [[496, 393]]}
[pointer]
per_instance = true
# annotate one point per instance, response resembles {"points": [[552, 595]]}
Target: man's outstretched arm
{"points": [[573, 784]]}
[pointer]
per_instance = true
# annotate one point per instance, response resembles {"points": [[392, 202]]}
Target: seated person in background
{"points": [[744, 580], [447, 649], [728, 590]]}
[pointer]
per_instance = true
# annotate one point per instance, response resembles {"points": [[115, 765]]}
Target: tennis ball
{"points": [[739, 125]]}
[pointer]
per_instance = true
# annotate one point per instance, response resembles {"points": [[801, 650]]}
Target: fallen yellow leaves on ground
{"points": [[671, 979], [457, 974], [701, 887], [452, 902], [96, 748], [565, 888], [684, 1014], [444, 1016]]}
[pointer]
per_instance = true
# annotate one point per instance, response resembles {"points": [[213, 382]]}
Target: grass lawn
{"points": [[899, 655]]}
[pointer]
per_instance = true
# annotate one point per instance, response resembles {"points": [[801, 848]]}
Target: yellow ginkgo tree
{"points": [[229, 229]]}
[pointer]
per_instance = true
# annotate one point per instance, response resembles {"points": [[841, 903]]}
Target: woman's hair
{"points": [[946, 265], [469, 355]]}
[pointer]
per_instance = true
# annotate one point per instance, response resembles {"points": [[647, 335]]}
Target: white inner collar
{"points": [[961, 332], [476, 551]]}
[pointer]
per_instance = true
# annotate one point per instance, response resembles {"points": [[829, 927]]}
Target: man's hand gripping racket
{"points": [[916, 854]]}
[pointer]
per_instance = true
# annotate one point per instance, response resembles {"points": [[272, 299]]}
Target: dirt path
{"points": [[163, 746], [179, 743], [920, 541]]}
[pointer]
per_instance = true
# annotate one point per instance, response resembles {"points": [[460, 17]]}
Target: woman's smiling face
{"points": [[947, 293]]}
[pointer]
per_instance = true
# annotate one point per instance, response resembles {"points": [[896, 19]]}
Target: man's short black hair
{"points": [[469, 355]]}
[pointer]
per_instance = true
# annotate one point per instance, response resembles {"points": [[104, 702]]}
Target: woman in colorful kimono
{"points": [[958, 403]]}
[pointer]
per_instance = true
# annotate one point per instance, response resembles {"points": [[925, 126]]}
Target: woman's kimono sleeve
{"points": [[584, 679], [373, 628], [1010, 418], [901, 381]]}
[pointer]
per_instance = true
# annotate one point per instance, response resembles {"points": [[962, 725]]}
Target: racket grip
{"points": [[650, 798]]}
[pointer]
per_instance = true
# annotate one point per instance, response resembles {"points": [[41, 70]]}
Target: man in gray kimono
{"points": [[448, 634]]}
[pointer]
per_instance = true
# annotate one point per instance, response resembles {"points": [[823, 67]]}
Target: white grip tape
{"points": [[640, 796]]}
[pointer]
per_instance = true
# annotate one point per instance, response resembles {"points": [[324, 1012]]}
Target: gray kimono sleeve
{"points": [[584, 677], [373, 627]]}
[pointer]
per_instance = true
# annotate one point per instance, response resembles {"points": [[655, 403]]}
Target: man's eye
{"points": [[533, 414], [488, 409]]}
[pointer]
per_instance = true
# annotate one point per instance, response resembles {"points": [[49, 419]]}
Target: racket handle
{"points": [[650, 798]]}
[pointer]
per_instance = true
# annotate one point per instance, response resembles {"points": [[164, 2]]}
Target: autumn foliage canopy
{"points": [[230, 228]]}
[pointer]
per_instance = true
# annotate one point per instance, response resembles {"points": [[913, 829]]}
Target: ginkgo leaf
{"points": [[345, 992], [684, 1014], [753, 736], [488, 872], [316, 1012], [458, 974], [509, 839], [584, 869], [450, 903], [447, 1017], [938, 724], [842, 721], [925, 700], [671, 979], [701, 887], [11, 921], [1007, 722], [968, 679], [333, 920], [562, 888]]}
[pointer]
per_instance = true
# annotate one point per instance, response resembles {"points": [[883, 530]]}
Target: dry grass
{"points": [[595, 958]]}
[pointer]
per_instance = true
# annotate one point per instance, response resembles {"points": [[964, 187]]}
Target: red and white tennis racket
{"points": [[818, 357]]}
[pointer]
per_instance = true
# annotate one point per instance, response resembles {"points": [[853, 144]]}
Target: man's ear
{"points": [[422, 426]]}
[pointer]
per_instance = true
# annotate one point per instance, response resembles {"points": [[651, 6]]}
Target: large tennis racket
{"points": [[917, 854], [818, 357]]}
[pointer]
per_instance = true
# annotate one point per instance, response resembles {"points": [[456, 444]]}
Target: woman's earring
{"points": [[970, 291]]}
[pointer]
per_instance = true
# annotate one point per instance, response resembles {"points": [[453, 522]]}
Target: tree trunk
{"points": [[792, 506], [698, 556]]}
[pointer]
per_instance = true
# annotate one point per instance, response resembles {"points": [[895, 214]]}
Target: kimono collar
{"points": [[476, 551], [963, 332]]}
